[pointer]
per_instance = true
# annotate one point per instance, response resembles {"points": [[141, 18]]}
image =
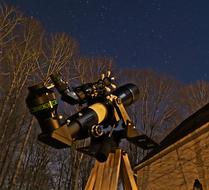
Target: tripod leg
{"points": [[92, 178], [101, 175], [99, 178], [104, 176], [129, 181], [107, 175], [116, 170]]}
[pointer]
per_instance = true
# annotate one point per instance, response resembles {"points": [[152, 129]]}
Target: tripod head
{"points": [[104, 106]]}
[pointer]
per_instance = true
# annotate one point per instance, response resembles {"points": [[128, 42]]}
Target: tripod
{"points": [[105, 176]]}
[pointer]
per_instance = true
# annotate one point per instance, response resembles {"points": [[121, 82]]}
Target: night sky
{"points": [[168, 36]]}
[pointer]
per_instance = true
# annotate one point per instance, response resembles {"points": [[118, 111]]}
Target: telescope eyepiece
{"points": [[42, 103]]}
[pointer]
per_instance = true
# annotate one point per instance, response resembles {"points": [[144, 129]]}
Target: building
{"points": [[182, 159]]}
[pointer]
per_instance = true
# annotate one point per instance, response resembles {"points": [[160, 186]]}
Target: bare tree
{"points": [[26, 51], [90, 69], [9, 19], [194, 96], [19, 58], [156, 112], [58, 52]]}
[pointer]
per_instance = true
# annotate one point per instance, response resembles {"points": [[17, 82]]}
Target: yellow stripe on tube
{"points": [[100, 110]]}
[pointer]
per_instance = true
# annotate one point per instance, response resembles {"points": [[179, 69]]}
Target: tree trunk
{"points": [[17, 168]]}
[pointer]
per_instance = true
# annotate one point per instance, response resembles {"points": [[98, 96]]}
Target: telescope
{"points": [[103, 118]]}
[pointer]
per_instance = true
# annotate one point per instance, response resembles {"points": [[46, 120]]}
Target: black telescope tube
{"points": [[128, 94], [98, 112], [81, 122]]}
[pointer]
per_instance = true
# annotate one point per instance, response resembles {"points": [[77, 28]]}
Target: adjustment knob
{"points": [[96, 131]]}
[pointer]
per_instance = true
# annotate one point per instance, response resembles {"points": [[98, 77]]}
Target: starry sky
{"points": [[168, 36]]}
